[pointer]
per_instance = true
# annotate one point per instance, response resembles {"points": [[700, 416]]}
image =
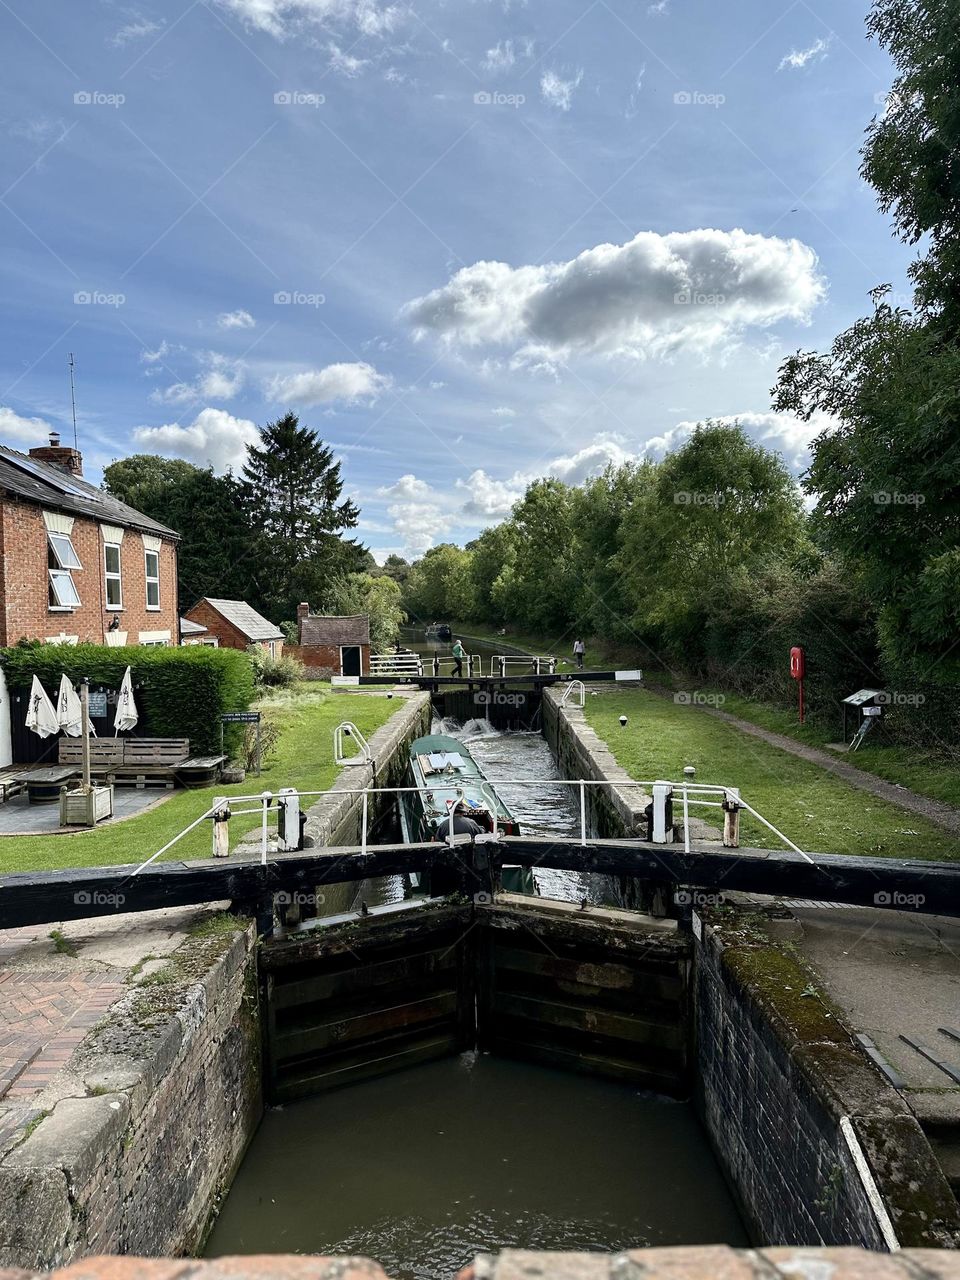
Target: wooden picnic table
{"points": [[43, 785]]}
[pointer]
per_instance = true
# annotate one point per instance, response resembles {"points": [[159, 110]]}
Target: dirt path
{"points": [[942, 815]]}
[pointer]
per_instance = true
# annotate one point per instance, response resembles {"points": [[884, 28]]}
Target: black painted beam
{"points": [[77, 892]]}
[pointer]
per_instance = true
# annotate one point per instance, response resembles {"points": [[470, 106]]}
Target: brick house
{"points": [[233, 624], [338, 646], [76, 565]]}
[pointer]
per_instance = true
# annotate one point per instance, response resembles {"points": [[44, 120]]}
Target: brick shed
{"points": [[330, 645], [234, 624]]}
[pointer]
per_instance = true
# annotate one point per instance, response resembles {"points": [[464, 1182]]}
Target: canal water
{"points": [[425, 1168]]}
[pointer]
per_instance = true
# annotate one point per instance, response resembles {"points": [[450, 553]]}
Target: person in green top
{"points": [[459, 653]]}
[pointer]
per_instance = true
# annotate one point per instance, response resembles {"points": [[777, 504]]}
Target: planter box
{"points": [[85, 808]]}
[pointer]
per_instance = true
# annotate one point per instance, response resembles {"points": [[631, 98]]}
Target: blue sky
{"points": [[471, 243]]}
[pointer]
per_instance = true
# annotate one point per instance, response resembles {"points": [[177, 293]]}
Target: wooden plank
{"points": [[331, 1076], [344, 1029], [642, 1075], [372, 975], [49, 896], [543, 1011], [608, 976]]}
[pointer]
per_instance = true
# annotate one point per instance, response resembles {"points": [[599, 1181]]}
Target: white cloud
{"points": [[659, 9], [349, 382], [650, 296], [420, 514], [236, 320], [283, 18], [789, 435], [800, 58], [13, 427], [215, 438], [556, 91], [220, 379], [152, 357], [500, 58], [135, 30], [502, 411], [492, 500], [345, 63]]}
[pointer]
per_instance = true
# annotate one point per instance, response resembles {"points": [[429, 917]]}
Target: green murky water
{"points": [[423, 1169]]}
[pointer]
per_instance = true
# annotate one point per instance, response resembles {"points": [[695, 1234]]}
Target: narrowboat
{"points": [[446, 773]]}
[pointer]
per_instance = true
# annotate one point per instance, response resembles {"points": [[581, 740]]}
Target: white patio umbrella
{"points": [[69, 710], [127, 715], [41, 716]]}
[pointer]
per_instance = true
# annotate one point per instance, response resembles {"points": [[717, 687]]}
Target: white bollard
{"points": [[288, 820], [662, 813], [221, 827]]}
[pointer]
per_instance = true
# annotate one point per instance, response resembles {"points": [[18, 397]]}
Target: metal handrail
{"points": [[703, 795], [581, 690], [499, 663]]}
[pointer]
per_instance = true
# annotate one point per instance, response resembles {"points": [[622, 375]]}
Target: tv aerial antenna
{"points": [[73, 400]]}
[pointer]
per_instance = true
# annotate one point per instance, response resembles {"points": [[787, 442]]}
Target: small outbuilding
{"points": [[195, 633], [331, 645], [233, 624]]}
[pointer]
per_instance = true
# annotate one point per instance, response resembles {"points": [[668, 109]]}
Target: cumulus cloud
{"points": [[502, 411], [790, 436], [349, 382], [235, 320], [153, 357], [215, 439], [650, 296], [283, 18], [797, 59], [219, 379], [557, 92], [21, 430], [419, 514], [490, 499]]}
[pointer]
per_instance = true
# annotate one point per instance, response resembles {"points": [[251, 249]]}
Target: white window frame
{"points": [[61, 604], [110, 575], [63, 560], [151, 578]]}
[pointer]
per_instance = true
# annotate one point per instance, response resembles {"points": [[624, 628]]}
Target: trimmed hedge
{"points": [[179, 692]]}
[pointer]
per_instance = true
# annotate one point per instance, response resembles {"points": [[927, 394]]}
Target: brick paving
{"points": [[43, 1017]]}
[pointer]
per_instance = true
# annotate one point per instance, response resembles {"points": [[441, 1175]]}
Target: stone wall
{"points": [[777, 1072], [613, 811], [173, 1095]]}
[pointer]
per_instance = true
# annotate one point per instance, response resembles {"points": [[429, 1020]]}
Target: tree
{"points": [[397, 568], [292, 492], [884, 476], [438, 587], [491, 554], [379, 597], [544, 569], [216, 551]]}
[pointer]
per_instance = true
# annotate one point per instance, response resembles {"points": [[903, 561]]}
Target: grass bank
{"points": [[817, 811], [928, 773], [302, 758]]}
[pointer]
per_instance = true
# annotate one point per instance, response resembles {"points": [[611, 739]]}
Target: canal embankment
{"points": [[133, 1134]]}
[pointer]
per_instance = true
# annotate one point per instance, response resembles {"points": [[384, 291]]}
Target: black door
{"points": [[350, 660]]}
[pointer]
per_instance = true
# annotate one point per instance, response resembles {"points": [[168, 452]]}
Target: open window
{"points": [[112, 574], [62, 559], [152, 572]]}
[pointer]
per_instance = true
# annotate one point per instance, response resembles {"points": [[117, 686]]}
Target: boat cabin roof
{"points": [[441, 762]]}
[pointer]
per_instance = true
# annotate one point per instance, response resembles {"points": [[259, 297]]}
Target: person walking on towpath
{"points": [[459, 653], [578, 652]]}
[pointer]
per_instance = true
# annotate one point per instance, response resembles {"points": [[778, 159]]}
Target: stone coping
{"points": [[711, 1262]]}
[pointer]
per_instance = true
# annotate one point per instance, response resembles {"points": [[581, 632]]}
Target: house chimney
{"points": [[303, 611], [58, 455]]}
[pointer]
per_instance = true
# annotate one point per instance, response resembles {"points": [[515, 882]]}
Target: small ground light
{"points": [[623, 722], [688, 771]]}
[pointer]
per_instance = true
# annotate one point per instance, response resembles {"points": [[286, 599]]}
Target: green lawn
{"points": [[303, 758], [817, 811], [926, 772]]}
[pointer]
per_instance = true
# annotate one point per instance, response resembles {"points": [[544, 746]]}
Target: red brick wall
{"points": [[24, 597], [226, 632], [326, 657]]}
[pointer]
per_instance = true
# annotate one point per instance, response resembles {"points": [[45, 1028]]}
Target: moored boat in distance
{"points": [[447, 775], [439, 631]]}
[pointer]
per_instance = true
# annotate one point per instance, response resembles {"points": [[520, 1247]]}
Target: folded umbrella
{"points": [[41, 716], [126, 716], [69, 710]]}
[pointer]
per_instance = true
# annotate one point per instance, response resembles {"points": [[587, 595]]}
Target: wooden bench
{"points": [[137, 761]]}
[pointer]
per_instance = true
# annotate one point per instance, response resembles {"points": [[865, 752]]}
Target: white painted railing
{"points": [[575, 686], [703, 795], [504, 664]]}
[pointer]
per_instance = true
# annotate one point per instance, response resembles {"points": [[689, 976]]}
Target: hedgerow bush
{"points": [[179, 692], [274, 673]]}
